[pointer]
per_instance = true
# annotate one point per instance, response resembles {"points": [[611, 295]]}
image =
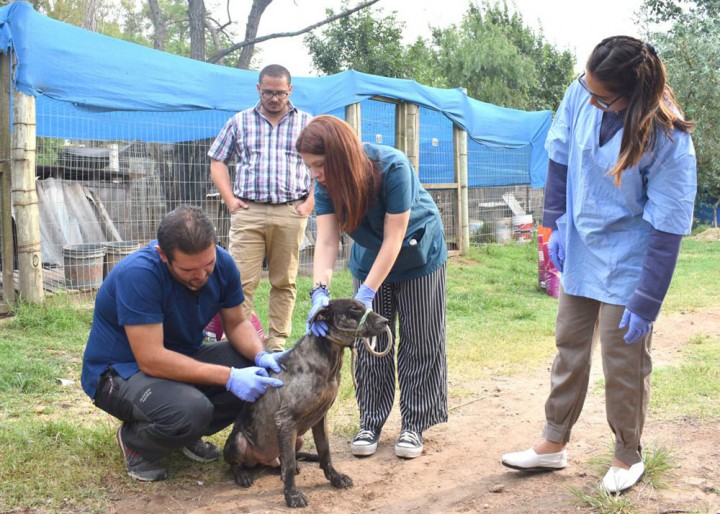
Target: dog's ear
{"points": [[322, 315]]}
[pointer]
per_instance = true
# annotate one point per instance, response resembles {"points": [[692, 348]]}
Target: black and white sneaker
{"points": [[409, 445], [200, 451], [364, 443]]}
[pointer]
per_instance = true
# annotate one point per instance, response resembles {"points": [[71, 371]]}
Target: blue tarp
{"points": [[88, 76]]}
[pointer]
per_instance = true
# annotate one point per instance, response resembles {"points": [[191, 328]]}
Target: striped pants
{"points": [[419, 307]]}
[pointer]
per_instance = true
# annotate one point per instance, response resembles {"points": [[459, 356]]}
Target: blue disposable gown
{"points": [[606, 228]]}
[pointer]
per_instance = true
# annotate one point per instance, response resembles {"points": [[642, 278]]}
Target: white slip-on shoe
{"points": [[618, 479], [528, 460]]}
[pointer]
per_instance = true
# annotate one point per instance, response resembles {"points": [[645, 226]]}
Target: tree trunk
{"points": [[160, 31], [253, 22], [196, 17], [90, 14]]}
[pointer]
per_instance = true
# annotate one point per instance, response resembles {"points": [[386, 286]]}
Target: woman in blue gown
{"points": [[619, 197]]}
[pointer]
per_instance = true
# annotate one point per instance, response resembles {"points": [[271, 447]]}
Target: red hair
{"points": [[351, 178]]}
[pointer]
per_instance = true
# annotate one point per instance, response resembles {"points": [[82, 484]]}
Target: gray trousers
{"points": [[159, 415], [580, 322]]}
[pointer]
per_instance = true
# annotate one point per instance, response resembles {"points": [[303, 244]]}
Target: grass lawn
{"points": [[57, 452]]}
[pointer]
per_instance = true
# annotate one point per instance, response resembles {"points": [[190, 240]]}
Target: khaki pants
{"points": [[271, 232], [580, 322]]}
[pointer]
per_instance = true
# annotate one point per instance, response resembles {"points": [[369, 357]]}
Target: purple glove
{"points": [[556, 248], [639, 326], [250, 383], [269, 360], [320, 299], [365, 295]]}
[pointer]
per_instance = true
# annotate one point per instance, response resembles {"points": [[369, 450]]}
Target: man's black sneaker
{"points": [[364, 443], [137, 466], [200, 451]]}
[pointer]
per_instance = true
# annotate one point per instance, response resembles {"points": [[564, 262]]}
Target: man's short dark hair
{"points": [[275, 71], [188, 229]]}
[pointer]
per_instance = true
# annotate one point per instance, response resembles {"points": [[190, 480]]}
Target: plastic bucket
{"points": [[84, 265], [503, 230], [522, 228], [115, 252]]}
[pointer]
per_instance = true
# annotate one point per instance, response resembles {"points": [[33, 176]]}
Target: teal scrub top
{"points": [[423, 250]]}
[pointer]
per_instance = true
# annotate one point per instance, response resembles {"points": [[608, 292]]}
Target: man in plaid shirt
{"points": [[271, 198]]}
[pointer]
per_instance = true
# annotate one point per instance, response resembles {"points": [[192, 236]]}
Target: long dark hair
{"points": [[351, 179], [632, 68]]}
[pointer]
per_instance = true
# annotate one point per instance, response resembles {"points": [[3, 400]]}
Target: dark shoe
{"points": [[137, 466], [409, 445], [200, 451], [364, 443]]}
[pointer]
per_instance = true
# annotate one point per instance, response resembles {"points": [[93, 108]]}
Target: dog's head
{"points": [[346, 320]]}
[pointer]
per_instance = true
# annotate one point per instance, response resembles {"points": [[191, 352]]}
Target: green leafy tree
{"points": [[498, 59], [96, 15], [182, 27], [491, 53], [367, 42], [691, 52]]}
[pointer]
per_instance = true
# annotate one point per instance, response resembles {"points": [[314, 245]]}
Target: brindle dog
{"points": [[273, 426]]}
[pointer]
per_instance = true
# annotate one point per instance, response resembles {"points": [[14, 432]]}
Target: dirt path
{"points": [[460, 469]]}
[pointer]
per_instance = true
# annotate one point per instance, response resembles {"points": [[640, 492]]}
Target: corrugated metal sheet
{"points": [[68, 217]]}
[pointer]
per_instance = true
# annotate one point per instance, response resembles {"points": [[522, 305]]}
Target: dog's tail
{"points": [[307, 457]]}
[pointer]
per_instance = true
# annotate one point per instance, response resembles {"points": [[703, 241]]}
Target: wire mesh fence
{"points": [[101, 199]]}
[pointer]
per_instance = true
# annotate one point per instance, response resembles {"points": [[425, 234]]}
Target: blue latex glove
{"points": [[269, 360], [556, 249], [365, 295], [250, 383], [320, 299], [638, 326]]}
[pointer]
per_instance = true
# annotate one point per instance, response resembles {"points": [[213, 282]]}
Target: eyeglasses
{"points": [[267, 94], [601, 103]]}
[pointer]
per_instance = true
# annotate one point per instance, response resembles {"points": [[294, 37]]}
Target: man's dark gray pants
{"points": [[160, 415]]}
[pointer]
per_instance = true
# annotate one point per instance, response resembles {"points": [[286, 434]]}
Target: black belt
{"points": [[302, 198]]}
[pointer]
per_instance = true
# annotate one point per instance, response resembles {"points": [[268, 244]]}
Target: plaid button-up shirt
{"points": [[269, 169]]}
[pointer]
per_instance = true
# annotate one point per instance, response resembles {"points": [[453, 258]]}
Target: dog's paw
{"points": [[340, 481], [295, 499], [243, 478]]}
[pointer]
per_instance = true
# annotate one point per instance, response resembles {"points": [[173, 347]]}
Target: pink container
{"points": [[542, 260], [258, 326], [215, 327], [552, 280]]}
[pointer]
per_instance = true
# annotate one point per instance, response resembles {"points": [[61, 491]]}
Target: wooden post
{"points": [[8, 292], [407, 132], [114, 157], [25, 200], [460, 162], [353, 117]]}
